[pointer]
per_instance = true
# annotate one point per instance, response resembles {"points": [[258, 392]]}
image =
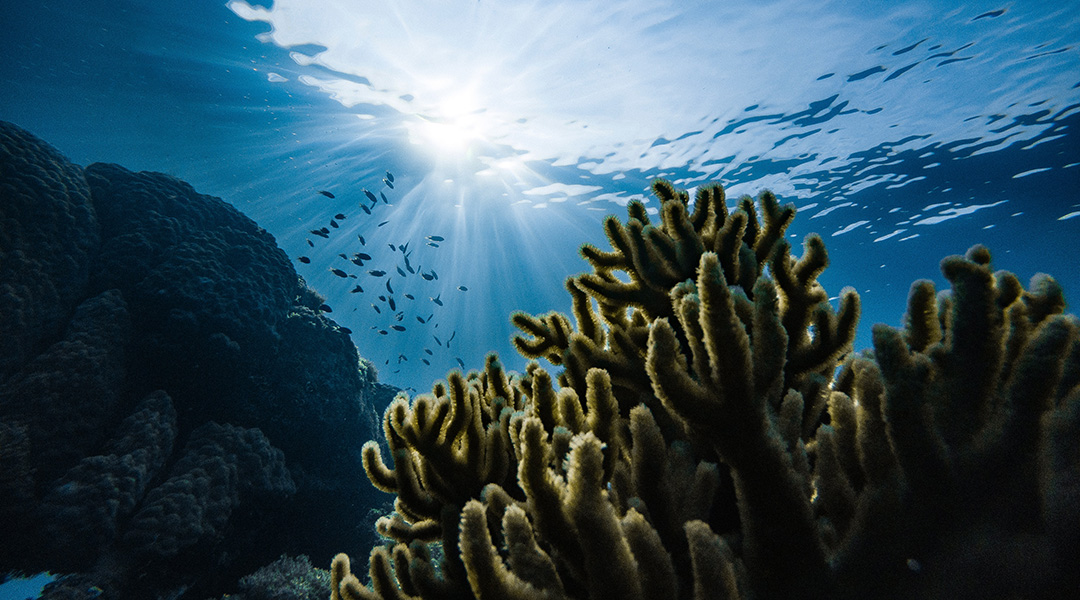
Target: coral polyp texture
{"points": [[711, 434]]}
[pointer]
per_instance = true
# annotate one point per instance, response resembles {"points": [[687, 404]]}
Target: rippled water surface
{"points": [[902, 131]]}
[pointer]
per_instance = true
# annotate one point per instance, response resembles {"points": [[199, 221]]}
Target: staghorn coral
{"points": [[711, 437]]}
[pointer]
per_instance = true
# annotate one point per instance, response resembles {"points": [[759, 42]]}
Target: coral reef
{"points": [[161, 358], [711, 435]]}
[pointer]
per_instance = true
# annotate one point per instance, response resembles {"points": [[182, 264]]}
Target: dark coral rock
{"points": [[221, 467], [82, 512], [83, 375], [48, 233], [286, 578]]}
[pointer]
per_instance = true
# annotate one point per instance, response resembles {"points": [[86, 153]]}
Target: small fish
{"points": [[366, 209], [377, 309], [389, 176], [339, 272], [361, 238], [334, 224], [384, 332], [400, 272], [426, 276], [436, 238], [437, 341], [430, 353], [425, 361], [326, 193], [421, 319], [451, 337], [356, 290], [402, 357], [339, 217], [398, 316], [408, 267], [460, 362], [388, 288], [397, 328], [383, 223], [383, 196], [462, 288], [353, 276], [410, 296], [429, 317], [362, 255], [436, 300], [342, 255], [370, 195], [346, 330], [404, 248], [304, 259], [434, 274], [388, 183], [319, 233], [357, 261], [382, 298], [433, 244], [376, 273], [309, 242], [325, 308], [390, 301], [392, 247], [324, 230]]}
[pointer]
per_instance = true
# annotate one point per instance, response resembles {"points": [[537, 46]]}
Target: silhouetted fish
{"points": [[397, 328], [356, 290], [390, 301], [325, 308], [404, 248], [334, 224], [410, 296], [339, 217], [383, 196], [362, 255], [310, 243], [376, 273], [426, 276], [388, 288], [339, 272], [436, 300], [389, 176], [388, 183], [437, 341], [418, 318], [429, 317], [324, 230], [433, 244], [451, 337], [383, 332], [430, 353], [366, 209], [326, 193], [376, 307], [434, 274], [304, 259], [436, 238], [383, 223], [361, 238], [425, 361], [392, 247], [382, 298], [319, 233], [357, 261], [400, 272], [370, 195], [460, 362], [345, 329], [462, 288], [398, 316]]}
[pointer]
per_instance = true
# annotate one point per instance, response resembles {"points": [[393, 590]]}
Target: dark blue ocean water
{"points": [[903, 132]]}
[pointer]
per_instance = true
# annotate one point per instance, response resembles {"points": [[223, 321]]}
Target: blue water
{"points": [[903, 132]]}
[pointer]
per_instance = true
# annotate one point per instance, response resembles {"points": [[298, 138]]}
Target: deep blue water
{"points": [[903, 132]]}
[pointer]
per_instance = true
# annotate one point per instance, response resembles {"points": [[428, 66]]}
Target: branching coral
{"points": [[711, 437]]}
